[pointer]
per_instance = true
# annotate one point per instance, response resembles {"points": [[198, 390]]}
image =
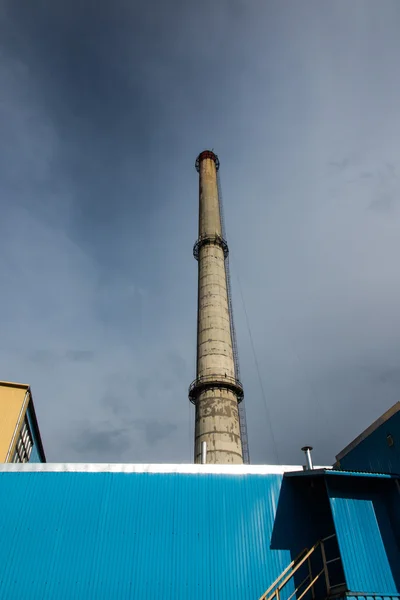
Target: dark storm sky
{"points": [[103, 109]]}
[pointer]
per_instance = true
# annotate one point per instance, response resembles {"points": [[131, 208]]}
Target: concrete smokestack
{"points": [[215, 392]]}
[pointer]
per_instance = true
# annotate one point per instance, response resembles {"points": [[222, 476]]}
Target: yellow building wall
{"points": [[12, 411]]}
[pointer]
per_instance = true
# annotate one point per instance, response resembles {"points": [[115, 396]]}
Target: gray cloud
{"points": [[382, 203], [43, 357], [101, 444], [155, 431], [118, 405], [103, 111], [51, 358], [107, 442], [80, 355], [102, 441]]}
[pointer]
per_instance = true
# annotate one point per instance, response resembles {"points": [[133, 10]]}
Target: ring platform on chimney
{"points": [[210, 239], [206, 154], [208, 382]]}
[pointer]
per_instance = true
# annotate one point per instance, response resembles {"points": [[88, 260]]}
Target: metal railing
{"points": [[275, 589], [209, 239], [215, 381]]}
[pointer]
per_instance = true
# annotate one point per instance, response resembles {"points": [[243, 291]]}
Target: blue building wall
{"points": [[36, 456], [78, 534], [373, 453], [140, 535]]}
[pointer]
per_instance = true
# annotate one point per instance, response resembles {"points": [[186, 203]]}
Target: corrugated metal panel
{"points": [[374, 474], [373, 597], [139, 535], [366, 541], [340, 472]]}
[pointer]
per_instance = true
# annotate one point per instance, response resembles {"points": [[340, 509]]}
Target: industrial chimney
{"points": [[216, 391]]}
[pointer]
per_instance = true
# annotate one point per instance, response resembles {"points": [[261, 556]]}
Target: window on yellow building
{"points": [[24, 444]]}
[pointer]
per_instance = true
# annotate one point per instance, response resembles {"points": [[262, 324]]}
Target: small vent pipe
{"points": [[203, 453], [307, 452]]}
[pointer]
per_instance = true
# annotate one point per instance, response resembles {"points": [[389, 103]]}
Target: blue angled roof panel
{"points": [[366, 538]]}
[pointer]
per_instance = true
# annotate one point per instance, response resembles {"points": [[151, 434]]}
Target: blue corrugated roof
{"points": [[137, 535], [371, 596], [337, 472], [364, 474]]}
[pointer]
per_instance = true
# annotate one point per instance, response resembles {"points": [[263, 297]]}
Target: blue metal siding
{"points": [[394, 509], [116, 535], [35, 456], [366, 540], [375, 597], [374, 453]]}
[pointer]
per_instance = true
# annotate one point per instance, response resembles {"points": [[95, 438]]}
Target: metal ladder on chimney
{"points": [[308, 583], [241, 408]]}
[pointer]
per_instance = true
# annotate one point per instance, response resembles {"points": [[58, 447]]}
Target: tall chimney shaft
{"points": [[215, 392]]}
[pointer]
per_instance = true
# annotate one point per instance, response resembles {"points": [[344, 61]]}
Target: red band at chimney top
{"points": [[207, 154]]}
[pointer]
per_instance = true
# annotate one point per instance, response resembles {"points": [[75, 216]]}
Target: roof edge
{"points": [[14, 384], [184, 468]]}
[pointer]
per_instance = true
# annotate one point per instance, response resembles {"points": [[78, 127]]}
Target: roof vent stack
{"points": [[203, 453], [309, 463]]}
